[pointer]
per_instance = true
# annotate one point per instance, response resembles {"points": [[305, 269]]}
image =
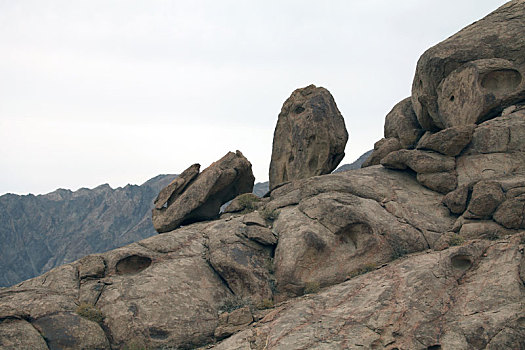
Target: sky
{"points": [[110, 91]]}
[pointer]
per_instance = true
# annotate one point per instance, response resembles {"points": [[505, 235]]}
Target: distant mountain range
{"points": [[41, 232], [38, 233]]}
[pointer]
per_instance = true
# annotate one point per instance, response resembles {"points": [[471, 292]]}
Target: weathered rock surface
{"points": [[240, 259], [169, 193], [450, 89], [155, 292], [401, 123], [199, 197], [486, 197], [438, 300], [232, 322], [310, 136], [449, 142], [482, 88], [419, 161], [41, 232], [382, 148], [332, 227], [18, 334], [168, 290], [385, 262]]}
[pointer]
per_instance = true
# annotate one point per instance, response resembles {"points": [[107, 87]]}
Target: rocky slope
{"points": [[45, 231], [424, 250]]}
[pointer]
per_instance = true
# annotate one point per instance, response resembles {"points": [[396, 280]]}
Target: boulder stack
{"points": [[310, 136], [463, 129]]}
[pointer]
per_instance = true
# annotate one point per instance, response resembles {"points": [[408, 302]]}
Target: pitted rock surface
{"points": [[443, 70], [384, 261], [405, 306], [310, 136]]}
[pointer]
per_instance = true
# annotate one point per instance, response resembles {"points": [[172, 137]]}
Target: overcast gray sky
{"points": [[116, 92]]}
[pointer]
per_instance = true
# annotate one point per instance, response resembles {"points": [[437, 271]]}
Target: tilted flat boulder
{"points": [[436, 90], [309, 138], [169, 193], [199, 197]]}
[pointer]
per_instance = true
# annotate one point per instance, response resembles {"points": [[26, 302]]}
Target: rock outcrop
{"points": [[196, 197], [41, 232], [474, 74], [468, 97], [432, 300], [426, 251], [310, 136], [359, 240]]}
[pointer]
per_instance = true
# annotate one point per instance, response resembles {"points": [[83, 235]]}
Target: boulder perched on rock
{"points": [[196, 197], [475, 73], [401, 123], [310, 136], [168, 194]]}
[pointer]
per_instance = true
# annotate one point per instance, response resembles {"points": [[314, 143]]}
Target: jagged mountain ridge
{"points": [[44, 231]]}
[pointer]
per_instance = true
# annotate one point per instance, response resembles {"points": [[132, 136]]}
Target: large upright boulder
{"points": [[310, 136], [198, 197], [475, 73]]}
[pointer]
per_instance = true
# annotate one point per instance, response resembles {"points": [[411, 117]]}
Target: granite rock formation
{"points": [[310, 136], [196, 197], [432, 300], [426, 251], [364, 240], [41, 232], [474, 74]]}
